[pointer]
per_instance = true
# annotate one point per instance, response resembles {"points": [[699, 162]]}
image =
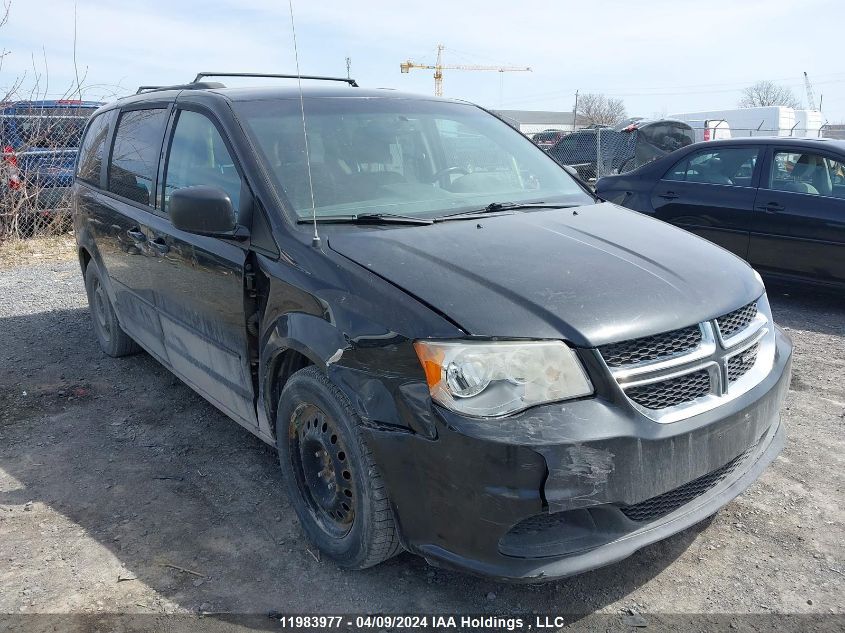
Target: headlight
{"points": [[496, 378]]}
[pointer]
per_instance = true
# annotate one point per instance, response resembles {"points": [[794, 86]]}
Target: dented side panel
{"points": [[361, 338]]}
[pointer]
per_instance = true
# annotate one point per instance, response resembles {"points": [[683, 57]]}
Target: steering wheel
{"points": [[438, 175]]}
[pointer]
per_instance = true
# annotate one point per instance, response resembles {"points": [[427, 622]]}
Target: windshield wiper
{"points": [[368, 218], [510, 206], [495, 207]]}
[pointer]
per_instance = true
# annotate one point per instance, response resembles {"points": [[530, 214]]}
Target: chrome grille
{"points": [[673, 375], [672, 392], [737, 320], [661, 505], [651, 348], [739, 365]]}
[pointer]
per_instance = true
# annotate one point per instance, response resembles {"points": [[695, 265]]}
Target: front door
{"points": [[199, 280], [711, 193], [799, 227]]}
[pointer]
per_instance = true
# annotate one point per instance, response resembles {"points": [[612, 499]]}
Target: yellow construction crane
{"points": [[438, 69]]}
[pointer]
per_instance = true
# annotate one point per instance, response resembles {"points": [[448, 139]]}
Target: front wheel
{"points": [[332, 482]]}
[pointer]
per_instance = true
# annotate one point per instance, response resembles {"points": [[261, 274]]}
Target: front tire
{"points": [[111, 337], [328, 470]]}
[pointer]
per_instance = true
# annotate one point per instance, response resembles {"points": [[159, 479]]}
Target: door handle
{"points": [[771, 207], [160, 245], [136, 234], [669, 195]]}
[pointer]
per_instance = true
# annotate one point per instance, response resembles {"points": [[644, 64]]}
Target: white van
{"points": [[709, 129]]}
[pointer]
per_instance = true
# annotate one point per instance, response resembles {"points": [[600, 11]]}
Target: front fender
{"points": [[380, 375], [307, 334]]}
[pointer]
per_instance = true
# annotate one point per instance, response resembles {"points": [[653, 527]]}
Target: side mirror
{"points": [[204, 210], [569, 169]]}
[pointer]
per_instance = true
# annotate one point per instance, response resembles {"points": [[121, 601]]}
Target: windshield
{"points": [[400, 156]]}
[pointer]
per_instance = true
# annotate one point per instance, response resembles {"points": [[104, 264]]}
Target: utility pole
{"points": [[348, 66], [575, 112]]}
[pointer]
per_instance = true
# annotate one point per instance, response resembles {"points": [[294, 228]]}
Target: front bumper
{"points": [[544, 494]]}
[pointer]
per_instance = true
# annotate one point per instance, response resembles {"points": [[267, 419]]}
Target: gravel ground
{"points": [[121, 491]]}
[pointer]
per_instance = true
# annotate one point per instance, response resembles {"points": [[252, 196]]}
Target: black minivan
{"points": [[456, 348]]}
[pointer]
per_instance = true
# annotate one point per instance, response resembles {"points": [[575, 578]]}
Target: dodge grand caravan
{"points": [[456, 348]]}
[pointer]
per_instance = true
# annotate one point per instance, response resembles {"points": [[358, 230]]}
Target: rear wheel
{"points": [[111, 337], [328, 470]]}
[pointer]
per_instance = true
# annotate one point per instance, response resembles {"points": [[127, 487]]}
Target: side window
{"points": [[198, 156], [804, 172], [134, 159], [93, 148], [727, 166]]}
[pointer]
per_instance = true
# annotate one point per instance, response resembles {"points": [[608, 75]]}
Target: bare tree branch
{"points": [[601, 110], [4, 18], [768, 93]]}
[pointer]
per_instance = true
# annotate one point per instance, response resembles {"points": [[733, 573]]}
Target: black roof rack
{"points": [[351, 82], [196, 85]]}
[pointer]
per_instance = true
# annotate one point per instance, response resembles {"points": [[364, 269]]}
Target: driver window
{"points": [[198, 156]]}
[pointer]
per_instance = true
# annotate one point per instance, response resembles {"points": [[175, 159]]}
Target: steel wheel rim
{"points": [[322, 469], [100, 315]]}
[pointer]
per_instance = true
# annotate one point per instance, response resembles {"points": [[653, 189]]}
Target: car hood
{"points": [[591, 275]]}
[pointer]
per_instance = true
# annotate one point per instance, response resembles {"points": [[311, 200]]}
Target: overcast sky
{"points": [[671, 56]]}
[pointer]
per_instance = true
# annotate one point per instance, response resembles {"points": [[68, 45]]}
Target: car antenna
{"points": [[315, 241]]}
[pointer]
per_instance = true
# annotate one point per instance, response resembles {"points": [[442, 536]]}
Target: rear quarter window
{"points": [[718, 166], [93, 148]]}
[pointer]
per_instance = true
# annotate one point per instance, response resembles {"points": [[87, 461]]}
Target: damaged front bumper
{"points": [[562, 489]]}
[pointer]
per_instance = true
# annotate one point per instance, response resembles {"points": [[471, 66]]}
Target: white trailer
{"points": [[709, 129], [809, 123], [766, 121]]}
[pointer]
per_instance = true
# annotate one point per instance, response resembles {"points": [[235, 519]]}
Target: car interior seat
{"points": [[821, 176], [803, 174]]}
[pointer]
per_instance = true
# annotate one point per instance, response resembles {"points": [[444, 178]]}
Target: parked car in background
{"points": [[777, 202], [652, 139], [420, 364], [621, 148], [547, 138], [580, 150], [39, 140]]}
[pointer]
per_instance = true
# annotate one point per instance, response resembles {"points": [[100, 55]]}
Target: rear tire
{"points": [[111, 337], [328, 470]]}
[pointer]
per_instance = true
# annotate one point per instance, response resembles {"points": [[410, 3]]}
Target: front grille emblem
{"points": [[674, 375]]}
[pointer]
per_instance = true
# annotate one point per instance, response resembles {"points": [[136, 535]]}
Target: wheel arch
{"points": [[293, 342], [84, 258], [87, 253]]}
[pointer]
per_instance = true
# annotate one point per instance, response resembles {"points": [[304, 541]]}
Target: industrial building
{"points": [[533, 121]]}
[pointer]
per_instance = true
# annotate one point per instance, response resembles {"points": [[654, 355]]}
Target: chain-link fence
{"points": [[594, 152], [743, 132], [36, 169], [601, 151]]}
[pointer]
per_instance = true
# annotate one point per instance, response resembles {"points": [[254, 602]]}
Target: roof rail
{"points": [[196, 85], [351, 82]]}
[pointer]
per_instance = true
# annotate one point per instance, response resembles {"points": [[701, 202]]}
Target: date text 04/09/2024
{"points": [[416, 621]]}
